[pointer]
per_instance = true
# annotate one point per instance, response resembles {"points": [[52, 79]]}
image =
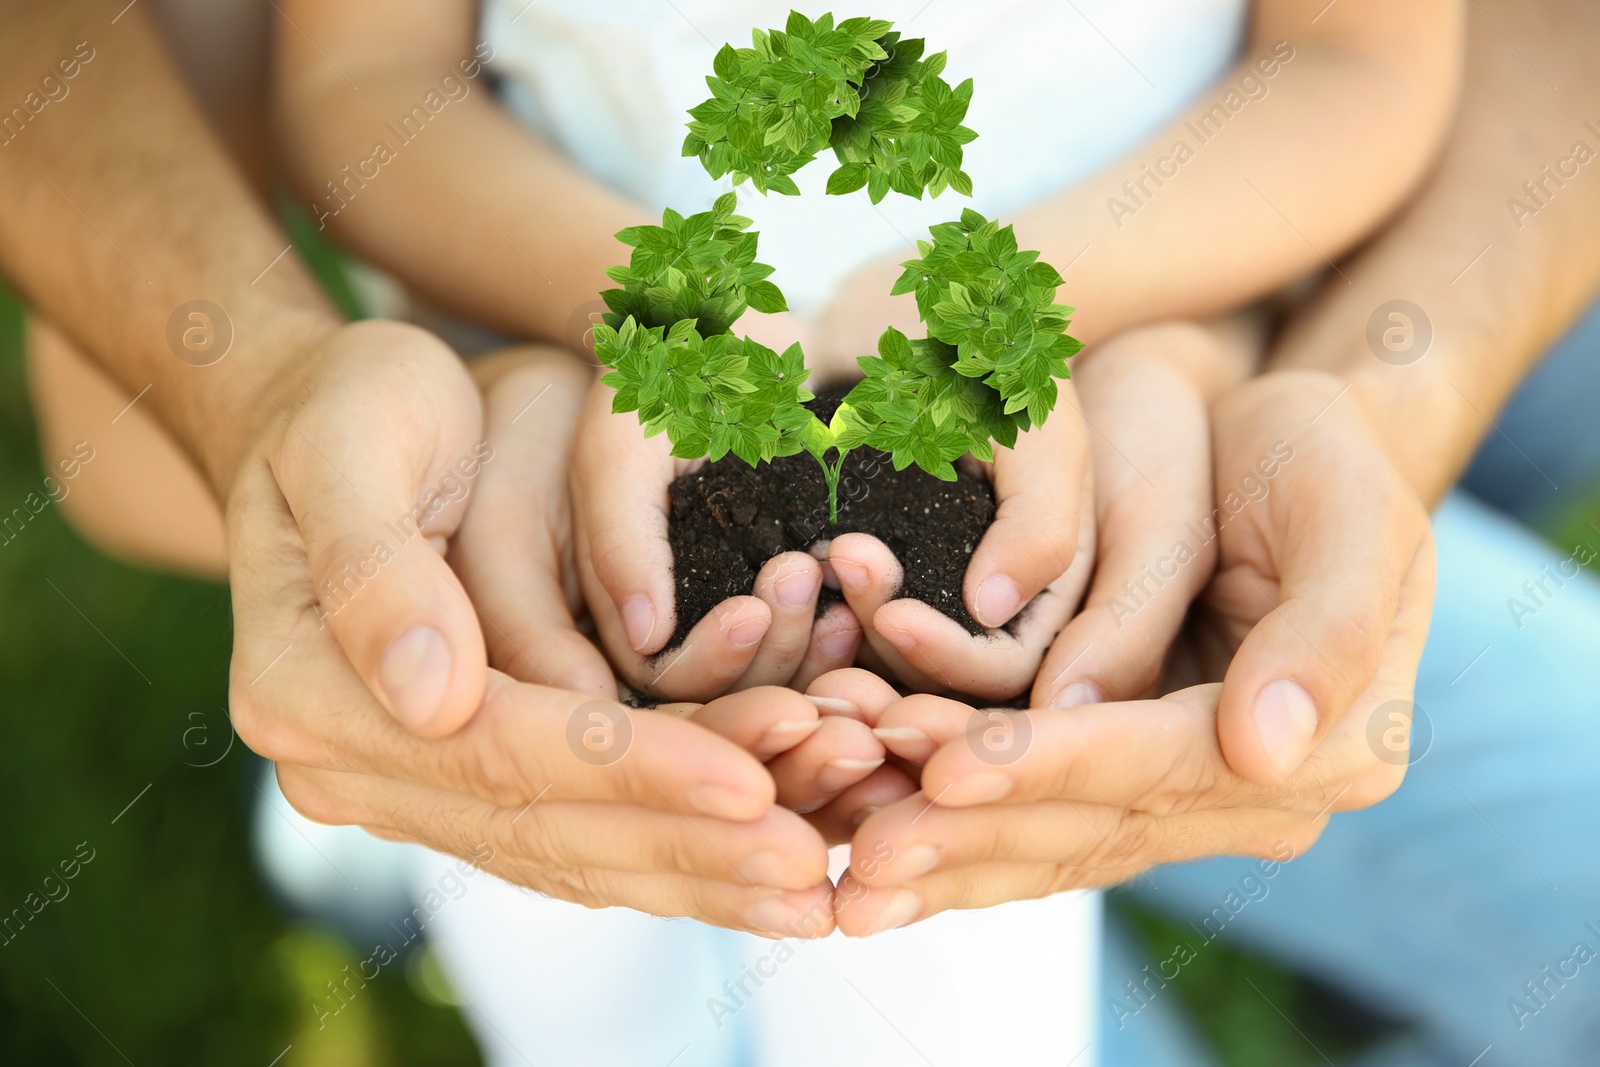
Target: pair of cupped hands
{"points": [[1191, 695]]}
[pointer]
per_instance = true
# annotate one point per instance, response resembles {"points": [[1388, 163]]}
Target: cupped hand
{"points": [[828, 767], [1145, 396], [1324, 583], [620, 481], [1026, 574], [513, 550], [337, 520]]}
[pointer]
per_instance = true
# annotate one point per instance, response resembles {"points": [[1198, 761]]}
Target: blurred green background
{"points": [[169, 948]]}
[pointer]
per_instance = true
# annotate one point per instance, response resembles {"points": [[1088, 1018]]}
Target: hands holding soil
{"points": [[1320, 574]]}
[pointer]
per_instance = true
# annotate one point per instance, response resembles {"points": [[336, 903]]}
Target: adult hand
{"points": [[1324, 584], [620, 481], [329, 571]]}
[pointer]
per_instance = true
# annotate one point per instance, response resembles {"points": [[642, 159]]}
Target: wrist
{"points": [[266, 382]]}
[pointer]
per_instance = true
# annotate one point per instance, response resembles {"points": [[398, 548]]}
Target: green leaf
{"points": [[847, 179], [766, 298]]}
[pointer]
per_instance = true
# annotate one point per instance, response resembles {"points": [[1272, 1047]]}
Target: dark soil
{"points": [[728, 520]]}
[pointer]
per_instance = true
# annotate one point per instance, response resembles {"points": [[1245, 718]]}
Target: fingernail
{"points": [[719, 802], [800, 588], [998, 600], [638, 621], [414, 674], [837, 644], [899, 733], [775, 916], [852, 576], [747, 632], [1286, 719], [902, 908], [905, 741], [900, 639], [914, 862], [863, 815], [765, 868], [834, 706], [783, 736], [985, 788], [1077, 695], [856, 764], [839, 774]]}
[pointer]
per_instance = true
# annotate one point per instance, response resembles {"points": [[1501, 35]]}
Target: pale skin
{"points": [[1137, 797], [1197, 250], [1189, 774], [313, 435]]}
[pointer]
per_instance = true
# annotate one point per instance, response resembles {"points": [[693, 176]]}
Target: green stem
{"points": [[830, 473]]}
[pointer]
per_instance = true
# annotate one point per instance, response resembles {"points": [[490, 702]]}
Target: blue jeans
{"points": [[1469, 902]]}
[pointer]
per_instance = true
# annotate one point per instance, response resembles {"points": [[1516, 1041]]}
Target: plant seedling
{"points": [[996, 337]]}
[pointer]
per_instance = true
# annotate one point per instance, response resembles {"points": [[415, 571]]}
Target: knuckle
{"points": [[573, 885], [674, 852], [537, 838], [1065, 877], [1133, 840], [1377, 783], [263, 731], [311, 801], [491, 762]]}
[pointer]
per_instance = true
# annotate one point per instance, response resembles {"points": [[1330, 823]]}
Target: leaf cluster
{"points": [[711, 395], [857, 87], [702, 268], [995, 304]]}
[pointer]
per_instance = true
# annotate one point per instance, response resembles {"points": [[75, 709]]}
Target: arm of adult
{"points": [[357, 659], [1395, 451]]}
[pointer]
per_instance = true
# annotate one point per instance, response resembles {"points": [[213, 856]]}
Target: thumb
{"points": [[376, 467], [1348, 540]]}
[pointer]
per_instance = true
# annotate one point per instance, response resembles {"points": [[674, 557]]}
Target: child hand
{"points": [[820, 749], [1145, 395], [1030, 567], [513, 549], [620, 480]]}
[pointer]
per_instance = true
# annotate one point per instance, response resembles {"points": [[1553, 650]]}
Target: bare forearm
{"points": [[1288, 161], [1491, 283], [1295, 155], [122, 210], [462, 203]]}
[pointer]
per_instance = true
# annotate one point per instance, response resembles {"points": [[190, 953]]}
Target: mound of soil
{"points": [[728, 520]]}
